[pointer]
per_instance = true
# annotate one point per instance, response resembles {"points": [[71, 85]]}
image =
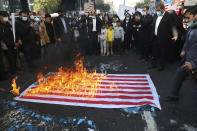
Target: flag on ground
{"points": [[130, 91]]}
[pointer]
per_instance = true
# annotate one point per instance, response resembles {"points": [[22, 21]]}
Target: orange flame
{"points": [[16, 89], [75, 82]]}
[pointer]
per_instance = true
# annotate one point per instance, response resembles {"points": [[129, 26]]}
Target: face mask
{"points": [[37, 19], [61, 15], [24, 18], [127, 18], [5, 19], [190, 23], [159, 13], [143, 13], [32, 17]]}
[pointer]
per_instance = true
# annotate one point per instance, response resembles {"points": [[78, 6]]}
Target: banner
{"points": [[123, 8], [13, 25], [89, 7], [173, 5]]}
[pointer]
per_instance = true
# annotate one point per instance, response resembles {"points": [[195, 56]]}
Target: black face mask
{"points": [[61, 15]]}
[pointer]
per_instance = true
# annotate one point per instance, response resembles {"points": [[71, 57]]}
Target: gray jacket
{"points": [[119, 33], [190, 46]]}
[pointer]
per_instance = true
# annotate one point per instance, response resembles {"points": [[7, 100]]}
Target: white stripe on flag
{"points": [[130, 91]]}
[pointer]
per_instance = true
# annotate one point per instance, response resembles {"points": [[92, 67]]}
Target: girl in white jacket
{"points": [[103, 41]]}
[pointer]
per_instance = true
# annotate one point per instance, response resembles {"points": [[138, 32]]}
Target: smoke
{"points": [[59, 55]]}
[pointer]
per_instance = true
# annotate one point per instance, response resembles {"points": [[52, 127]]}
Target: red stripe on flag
{"points": [[119, 76], [109, 87], [108, 79], [98, 96], [87, 101], [117, 83], [114, 92]]}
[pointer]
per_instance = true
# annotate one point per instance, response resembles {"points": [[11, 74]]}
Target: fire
{"points": [[16, 89], [75, 82]]}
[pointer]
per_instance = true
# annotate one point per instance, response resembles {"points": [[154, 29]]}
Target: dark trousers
{"points": [[127, 42], [117, 45], [180, 76], [66, 38], [159, 52], [10, 55], [2, 71], [28, 50], [94, 46]]}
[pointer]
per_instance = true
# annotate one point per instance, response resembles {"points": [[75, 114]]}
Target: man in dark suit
{"points": [[127, 25], [145, 34], [62, 28], [2, 71], [26, 34], [94, 29], [189, 59], [7, 42], [164, 34]]}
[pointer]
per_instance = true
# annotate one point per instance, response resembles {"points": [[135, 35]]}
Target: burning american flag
{"points": [[77, 87]]}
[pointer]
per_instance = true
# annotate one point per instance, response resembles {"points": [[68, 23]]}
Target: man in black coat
{"points": [[94, 29], [127, 25], [62, 28], [7, 41], [165, 33], [145, 34], [26, 34], [2, 71]]}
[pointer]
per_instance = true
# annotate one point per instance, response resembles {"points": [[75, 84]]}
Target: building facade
{"points": [[10, 5]]}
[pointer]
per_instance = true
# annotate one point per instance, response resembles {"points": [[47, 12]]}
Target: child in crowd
{"points": [[115, 19], [118, 37], [110, 39], [103, 37]]}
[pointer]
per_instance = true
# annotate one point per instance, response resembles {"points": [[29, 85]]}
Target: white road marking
{"points": [[189, 128], [150, 121]]}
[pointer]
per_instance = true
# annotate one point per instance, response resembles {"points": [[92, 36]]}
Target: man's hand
{"points": [[37, 43], [188, 65], [32, 25], [16, 45], [59, 40], [182, 54], [174, 39]]}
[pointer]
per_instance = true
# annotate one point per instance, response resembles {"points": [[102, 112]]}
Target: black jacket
{"points": [[146, 28], [24, 32], [6, 35], [166, 29], [59, 27], [98, 24]]}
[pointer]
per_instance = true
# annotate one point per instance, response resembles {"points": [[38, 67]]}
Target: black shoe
{"points": [[160, 69], [152, 67], [171, 98]]}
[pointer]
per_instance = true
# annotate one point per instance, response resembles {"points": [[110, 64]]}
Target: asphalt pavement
{"points": [[174, 116]]}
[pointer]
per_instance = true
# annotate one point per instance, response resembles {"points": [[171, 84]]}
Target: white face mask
{"points": [[127, 18], [32, 17], [143, 13], [24, 18], [5, 19]]}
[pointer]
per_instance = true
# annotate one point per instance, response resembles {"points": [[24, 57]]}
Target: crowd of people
{"points": [[159, 39]]}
